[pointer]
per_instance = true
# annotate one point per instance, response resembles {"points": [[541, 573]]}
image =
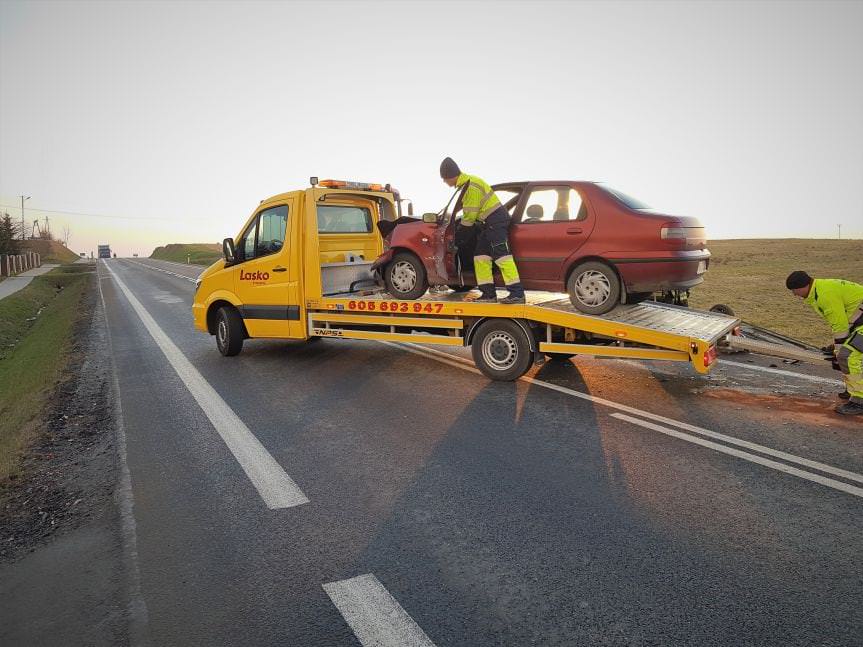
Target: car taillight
{"points": [[709, 356], [674, 233]]}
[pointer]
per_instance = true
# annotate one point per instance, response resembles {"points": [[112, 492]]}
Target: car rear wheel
{"points": [[501, 350], [229, 331], [594, 288], [405, 277]]}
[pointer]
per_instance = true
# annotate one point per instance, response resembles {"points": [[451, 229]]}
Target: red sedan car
{"points": [[594, 242]]}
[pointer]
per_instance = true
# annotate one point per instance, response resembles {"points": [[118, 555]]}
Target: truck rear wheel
{"points": [[229, 331], [405, 277], [501, 350]]}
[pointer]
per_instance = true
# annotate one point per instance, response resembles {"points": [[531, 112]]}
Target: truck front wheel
{"points": [[501, 350], [229, 331], [405, 277]]}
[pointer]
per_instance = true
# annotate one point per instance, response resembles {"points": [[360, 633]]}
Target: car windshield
{"points": [[628, 200]]}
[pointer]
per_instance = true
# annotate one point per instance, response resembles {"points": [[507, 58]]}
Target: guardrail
{"points": [[12, 264]]}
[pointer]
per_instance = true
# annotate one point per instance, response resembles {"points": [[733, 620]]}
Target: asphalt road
{"points": [[346, 492]]}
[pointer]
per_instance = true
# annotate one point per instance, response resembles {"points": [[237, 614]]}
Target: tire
{"points": [[723, 309], [560, 357], [501, 350], [230, 331], [405, 277], [594, 288], [460, 288]]}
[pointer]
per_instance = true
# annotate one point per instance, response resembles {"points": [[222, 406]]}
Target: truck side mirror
{"points": [[228, 250], [430, 218]]}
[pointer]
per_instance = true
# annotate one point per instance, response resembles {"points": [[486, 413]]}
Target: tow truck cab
{"points": [[295, 248]]}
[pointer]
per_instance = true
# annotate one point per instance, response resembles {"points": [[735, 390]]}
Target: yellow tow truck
{"points": [[301, 268]]}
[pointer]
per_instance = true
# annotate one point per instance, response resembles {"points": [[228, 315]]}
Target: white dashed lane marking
{"points": [[374, 615]]}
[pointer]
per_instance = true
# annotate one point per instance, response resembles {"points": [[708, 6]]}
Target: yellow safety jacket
{"points": [[478, 201], [839, 302]]}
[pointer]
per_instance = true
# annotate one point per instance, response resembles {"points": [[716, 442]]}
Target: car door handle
{"points": [[280, 269], [574, 230]]}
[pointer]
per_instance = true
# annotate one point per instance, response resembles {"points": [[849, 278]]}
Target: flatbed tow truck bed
{"points": [[553, 326]]}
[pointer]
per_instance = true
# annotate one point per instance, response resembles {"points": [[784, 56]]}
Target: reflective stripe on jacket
{"points": [[839, 302], [478, 201]]}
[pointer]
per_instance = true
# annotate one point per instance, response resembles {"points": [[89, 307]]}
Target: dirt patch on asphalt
{"points": [[813, 410], [68, 476]]}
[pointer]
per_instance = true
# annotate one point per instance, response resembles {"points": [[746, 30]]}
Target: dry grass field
{"points": [[749, 276]]}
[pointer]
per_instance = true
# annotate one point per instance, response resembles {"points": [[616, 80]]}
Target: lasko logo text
{"points": [[254, 276]]}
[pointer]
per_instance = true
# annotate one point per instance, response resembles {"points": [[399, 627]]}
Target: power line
{"points": [[96, 215]]}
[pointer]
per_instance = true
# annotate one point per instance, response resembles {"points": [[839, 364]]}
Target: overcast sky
{"points": [[175, 119]]}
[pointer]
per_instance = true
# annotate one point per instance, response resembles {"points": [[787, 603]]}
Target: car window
{"points": [[628, 200], [508, 198], [272, 225], [266, 234], [554, 204], [338, 219]]}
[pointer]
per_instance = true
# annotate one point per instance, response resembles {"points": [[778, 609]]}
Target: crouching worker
{"points": [[841, 304], [482, 208]]}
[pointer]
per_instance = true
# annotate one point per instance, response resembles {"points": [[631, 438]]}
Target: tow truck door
{"points": [[265, 278]]}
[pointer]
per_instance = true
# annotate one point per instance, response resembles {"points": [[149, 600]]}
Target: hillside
{"points": [[749, 276], [52, 251], [196, 253]]}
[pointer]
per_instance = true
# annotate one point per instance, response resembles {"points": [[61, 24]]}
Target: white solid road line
{"points": [[752, 458], [272, 482], [463, 364], [779, 371], [160, 269], [376, 618]]}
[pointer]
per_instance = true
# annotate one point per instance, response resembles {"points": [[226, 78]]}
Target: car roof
{"points": [[523, 183]]}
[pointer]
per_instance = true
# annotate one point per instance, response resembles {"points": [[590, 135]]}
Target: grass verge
{"points": [[749, 276], [36, 326], [196, 253]]}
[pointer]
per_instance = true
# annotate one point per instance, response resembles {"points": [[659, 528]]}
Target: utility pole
{"points": [[840, 231], [22, 214]]}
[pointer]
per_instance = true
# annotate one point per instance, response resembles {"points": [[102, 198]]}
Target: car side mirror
{"points": [[430, 218], [228, 250]]}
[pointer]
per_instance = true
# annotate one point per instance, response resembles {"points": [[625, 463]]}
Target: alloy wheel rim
{"points": [[223, 333], [499, 350], [592, 288], [403, 276]]}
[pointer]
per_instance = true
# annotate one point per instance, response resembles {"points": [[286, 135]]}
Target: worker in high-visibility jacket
{"points": [[841, 304], [481, 208]]}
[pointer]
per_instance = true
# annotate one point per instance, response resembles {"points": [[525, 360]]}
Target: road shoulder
{"points": [[60, 548]]}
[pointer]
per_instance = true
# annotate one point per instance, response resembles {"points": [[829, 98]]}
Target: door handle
{"points": [[280, 269], [574, 230]]}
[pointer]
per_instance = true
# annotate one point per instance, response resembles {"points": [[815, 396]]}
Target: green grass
{"points": [[199, 253], [749, 276], [35, 330]]}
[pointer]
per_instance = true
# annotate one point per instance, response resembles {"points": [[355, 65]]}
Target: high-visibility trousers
{"points": [[493, 245], [850, 359]]}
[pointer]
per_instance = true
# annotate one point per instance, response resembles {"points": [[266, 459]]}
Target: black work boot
{"points": [[844, 395], [488, 295], [850, 409], [516, 294]]}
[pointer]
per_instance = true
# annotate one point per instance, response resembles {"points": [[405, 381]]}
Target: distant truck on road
{"points": [[104, 251]]}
